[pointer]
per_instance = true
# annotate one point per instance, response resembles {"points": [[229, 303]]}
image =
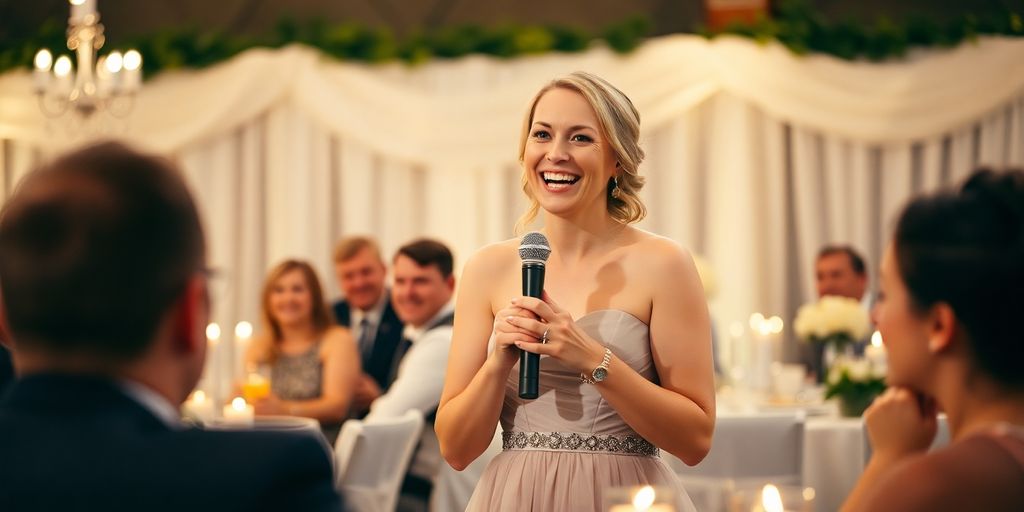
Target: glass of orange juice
{"points": [[255, 387]]}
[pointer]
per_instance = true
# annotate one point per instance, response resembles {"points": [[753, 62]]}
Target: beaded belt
{"points": [[572, 441]]}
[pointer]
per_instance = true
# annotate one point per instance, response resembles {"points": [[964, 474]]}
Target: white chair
{"points": [[372, 458], [746, 451]]}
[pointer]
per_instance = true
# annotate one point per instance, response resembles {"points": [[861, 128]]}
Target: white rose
{"points": [[859, 370]]}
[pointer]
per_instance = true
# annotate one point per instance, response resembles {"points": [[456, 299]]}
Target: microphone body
{"points": [[529, 363], [534, 251]]}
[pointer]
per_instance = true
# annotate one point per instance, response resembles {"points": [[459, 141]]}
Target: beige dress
{"points": [[564, 449]]}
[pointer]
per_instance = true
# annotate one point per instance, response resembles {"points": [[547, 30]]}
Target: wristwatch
{"points": [[601, 372]]}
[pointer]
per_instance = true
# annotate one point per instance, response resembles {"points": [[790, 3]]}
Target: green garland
{"points": [[794, 23], [190, 48]]}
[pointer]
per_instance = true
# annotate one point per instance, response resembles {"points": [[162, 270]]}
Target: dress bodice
{"points": [[565, 404]]}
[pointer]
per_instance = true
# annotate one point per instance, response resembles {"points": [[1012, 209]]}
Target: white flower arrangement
{"points": [[856, 381], [832, 319]]}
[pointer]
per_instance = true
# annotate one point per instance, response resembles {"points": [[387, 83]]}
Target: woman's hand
{"points": [[565, 340], [269, 405], [901, 423], [507, 335]]}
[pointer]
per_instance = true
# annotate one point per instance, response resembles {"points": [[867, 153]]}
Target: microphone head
{"points": [[534, 247]]}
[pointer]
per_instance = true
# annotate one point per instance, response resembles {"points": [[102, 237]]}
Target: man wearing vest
{"points": [[421, 295]]}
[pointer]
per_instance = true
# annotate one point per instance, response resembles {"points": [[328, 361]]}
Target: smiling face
{"points": [[419, 292], [290, 300], [361, 279], [567, 159]]}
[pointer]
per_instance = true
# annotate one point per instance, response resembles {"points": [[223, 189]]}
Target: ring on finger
{"points": [[544, 337]]}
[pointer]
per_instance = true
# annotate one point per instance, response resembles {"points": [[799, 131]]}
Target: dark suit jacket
{"points": [[6, 369], [378, 363], [79, 443]]}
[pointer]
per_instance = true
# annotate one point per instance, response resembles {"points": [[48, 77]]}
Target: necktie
{"points": [[365, 341]]}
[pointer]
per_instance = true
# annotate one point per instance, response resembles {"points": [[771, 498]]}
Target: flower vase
{"points": [[853, 405], [835, 349]]}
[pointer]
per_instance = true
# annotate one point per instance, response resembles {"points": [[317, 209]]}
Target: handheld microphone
{"points": [[534, 251]]}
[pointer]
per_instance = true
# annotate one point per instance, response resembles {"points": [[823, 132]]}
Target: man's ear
{"points": [[942, 327], [191, 310]]}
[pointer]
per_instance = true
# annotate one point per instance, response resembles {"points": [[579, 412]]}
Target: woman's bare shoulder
{"points": [[336, 335], [496, 256], [658, 252]]}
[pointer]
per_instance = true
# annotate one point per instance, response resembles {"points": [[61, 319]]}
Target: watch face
{"points": [[600, 374]]}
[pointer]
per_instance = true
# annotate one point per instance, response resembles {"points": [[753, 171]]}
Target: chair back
{"points": [[372, 458]]}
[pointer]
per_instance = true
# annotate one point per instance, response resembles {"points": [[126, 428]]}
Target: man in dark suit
{"points": [[367, 310], [102, 272], [839, 270]]}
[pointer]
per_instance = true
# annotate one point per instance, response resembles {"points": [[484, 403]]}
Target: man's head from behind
{"points": [[839, 270], [360, 271], [423, 281], [101, 253]]}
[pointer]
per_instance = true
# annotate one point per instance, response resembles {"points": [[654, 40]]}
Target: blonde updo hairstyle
{"points": [[619, 125]]}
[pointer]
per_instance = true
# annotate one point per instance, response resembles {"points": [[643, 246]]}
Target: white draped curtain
{"points": [[756, 157]]}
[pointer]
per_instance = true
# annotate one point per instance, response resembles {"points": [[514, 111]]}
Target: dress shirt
{"points": [[153, 402], [418, 386]]}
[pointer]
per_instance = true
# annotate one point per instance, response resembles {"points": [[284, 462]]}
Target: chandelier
{"points": [[92, 84]]}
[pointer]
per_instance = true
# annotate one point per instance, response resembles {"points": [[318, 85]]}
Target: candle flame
{"points": [[199, 397], [213, 331], [44, 60], [771, 499], [238, 404], [243, 330], [756, 321], [644, 498], [876, 339]]}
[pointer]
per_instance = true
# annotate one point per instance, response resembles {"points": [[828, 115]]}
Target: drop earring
{"points": [[616, 192]]}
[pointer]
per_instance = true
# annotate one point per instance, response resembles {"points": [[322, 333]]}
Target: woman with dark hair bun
{"points": [[950, 314]]}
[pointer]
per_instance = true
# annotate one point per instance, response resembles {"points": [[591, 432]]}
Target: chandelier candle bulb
{"points": [[132, 70], [81, 8], [41, 71]]}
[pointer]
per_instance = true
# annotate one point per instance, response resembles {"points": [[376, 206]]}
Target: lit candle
{"points": [[243, 334], [238, 412], [81, 8], [213, 370], [643, 501], [198, 407], [875, 353]]}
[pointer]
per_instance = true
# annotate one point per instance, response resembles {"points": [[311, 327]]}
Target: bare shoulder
{"points": [[658, 253], [494, 257], [973, 474], [335, 337]]}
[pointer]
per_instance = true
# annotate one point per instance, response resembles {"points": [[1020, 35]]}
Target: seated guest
{"points": [[949, 314], [102, 264], [367, 311], [313, 365], [839, 270], [422, 292]]}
